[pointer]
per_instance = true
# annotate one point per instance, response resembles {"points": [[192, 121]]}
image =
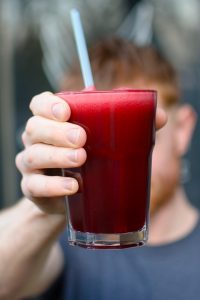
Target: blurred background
{"points": [[37, 48]]}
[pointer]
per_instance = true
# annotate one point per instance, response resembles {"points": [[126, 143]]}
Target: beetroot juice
{"points": [[111, 208]]}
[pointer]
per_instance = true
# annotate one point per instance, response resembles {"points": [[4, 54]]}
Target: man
{"points": [[33, 261]]}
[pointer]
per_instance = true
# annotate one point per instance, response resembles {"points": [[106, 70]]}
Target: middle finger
{"points": [[61, 134]]}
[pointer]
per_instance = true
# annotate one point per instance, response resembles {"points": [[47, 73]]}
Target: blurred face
{"points": [[165, 164], [165, 159], [171, 144]]}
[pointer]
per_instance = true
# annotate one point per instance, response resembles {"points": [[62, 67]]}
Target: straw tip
{"points": [[74, 11]]}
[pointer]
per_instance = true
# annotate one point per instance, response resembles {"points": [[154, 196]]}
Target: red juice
{"points": [[115, 180]]}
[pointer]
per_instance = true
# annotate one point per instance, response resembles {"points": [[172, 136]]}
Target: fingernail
{"points": [[73, 135], [58, 110], [72, 154], [69, 184]]}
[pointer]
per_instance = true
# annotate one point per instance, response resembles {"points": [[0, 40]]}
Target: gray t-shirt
{"points": [[164, 272]]}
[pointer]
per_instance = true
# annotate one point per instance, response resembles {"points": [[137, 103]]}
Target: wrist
{"points": [[53, 224]]}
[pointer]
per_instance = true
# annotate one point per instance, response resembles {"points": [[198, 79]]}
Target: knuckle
{"points": [[30, 125], [26, 187], [37, 98], [18, 160], [23, 137], [28, 158], [32, 103]]}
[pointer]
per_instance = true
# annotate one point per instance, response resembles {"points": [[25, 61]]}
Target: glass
{"points": [[111, 208]]}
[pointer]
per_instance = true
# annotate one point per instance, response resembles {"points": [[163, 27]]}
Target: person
{"points": [[33, 261]]}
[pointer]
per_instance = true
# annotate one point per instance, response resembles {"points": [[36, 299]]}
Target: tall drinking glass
{"points": [[111, 208]]}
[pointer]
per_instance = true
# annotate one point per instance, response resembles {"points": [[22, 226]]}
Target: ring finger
{"points": [[41, 156]]}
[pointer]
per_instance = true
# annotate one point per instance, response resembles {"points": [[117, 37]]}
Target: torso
{"points": [[165, 272]]}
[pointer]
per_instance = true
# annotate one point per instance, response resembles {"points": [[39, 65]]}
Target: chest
{"points": [[132, 275]]}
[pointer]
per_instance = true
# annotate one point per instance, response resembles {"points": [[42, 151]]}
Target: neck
{"points": [[173, 221]]}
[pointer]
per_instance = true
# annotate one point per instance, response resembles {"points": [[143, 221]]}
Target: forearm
{"points": [[29, 259]]}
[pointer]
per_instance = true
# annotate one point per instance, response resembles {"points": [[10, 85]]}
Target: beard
{"points": [[162, 191]]}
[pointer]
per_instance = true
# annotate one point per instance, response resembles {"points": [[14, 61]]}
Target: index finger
{"points": [[50, 106]]}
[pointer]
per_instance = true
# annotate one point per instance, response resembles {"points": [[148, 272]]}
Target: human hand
{"points": [[51, 142]]}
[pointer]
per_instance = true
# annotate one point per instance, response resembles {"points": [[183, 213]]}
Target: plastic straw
{"points": [[82, 48]]}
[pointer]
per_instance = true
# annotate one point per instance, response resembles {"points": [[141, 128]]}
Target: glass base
{"points": [[107, 241]]}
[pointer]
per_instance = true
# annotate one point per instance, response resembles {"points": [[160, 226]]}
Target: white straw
{"points": [[81, 48]]}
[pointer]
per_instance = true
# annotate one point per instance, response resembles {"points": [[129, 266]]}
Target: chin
{"points": [[160, 196], [163, 187]]}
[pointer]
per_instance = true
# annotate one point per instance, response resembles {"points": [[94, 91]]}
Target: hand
{"points": [[52, 142]]}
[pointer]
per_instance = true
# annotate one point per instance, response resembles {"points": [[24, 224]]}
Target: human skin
{"points": [[50, 142], [168, 199]]}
